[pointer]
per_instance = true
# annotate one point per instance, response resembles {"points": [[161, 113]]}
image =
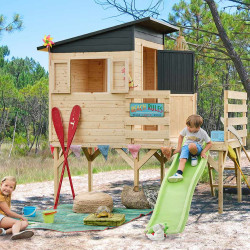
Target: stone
{"points": [[132, 199], [88, 202]]}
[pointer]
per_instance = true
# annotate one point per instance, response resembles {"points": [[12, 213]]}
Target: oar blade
{"points": [[58, 125], [73, 122]]}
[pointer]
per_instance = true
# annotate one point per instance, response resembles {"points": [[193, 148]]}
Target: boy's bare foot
{"points": [[22, 235]]}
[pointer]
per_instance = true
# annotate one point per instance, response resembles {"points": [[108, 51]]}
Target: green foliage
{"points": [[21, 146], [214, 70], [15, 24], [23, 102]]}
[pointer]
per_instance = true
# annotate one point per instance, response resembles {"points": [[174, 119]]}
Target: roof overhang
{"points": [[147, 22]]}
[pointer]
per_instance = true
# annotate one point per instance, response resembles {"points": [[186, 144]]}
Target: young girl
{"points": [[7, 224]]}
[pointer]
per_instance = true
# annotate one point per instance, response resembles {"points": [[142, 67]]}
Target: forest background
{"points": [[24, 82]]}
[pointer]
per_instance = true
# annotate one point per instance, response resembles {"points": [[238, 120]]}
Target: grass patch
{"points": [[39, 168]]}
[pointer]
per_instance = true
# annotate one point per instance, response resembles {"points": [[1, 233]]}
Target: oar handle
{"points": [[246, 153], [241, 173]]}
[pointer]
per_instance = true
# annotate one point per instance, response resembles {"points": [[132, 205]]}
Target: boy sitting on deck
{"points": [[192, 147]]}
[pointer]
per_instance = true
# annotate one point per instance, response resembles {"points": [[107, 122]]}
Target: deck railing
{"points": [[134, 132], [235, 110]]}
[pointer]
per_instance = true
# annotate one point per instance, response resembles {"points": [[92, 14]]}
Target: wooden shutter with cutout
{"points": [[119, 80], [61, 73]]}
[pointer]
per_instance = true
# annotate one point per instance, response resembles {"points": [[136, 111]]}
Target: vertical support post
{"points": [[56, 171], [136, 173], [226, 116], [244, 127], [238, 177], [90, 175], [211, 179], [162, 167], [220, 182]]}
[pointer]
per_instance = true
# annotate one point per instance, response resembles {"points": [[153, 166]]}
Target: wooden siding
{"points": [[149, 35], [181, 107], [105, 119], [176, 71]]}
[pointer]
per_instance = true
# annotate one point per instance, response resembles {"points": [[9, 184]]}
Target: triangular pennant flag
{"points": [[104, 149], [51, 149], [125, 150], [134, 149], [76, 149], [167, 151]]}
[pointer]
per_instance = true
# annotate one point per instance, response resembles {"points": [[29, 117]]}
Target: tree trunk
{"points": [[229, 47], [14, 132]]}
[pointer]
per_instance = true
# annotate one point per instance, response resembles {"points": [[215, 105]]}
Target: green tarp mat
{"points": [[174, 199], [68, 221]]}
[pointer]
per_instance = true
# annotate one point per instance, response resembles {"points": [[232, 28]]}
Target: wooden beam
{"points": [[220, 181], [86, 152], [90, 175], [136, 173], [213, 163], [96, 153], [162, 167], [125, 157], [60, 160], [146, 157], [56, 171], [238, 178], [211, 181]]}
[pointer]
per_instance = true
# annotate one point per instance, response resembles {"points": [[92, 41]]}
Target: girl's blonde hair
{"points": [[9, 178], [194, 121]]}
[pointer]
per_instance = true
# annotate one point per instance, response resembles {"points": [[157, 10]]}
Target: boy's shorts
{"points": [[1, 217], [185, 151]]}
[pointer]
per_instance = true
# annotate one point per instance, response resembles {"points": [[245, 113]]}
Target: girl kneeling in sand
{"points": [[9, 225]]}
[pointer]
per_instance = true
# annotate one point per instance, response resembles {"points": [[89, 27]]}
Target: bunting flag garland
{"points": [[104, 149], [76, 149], [51, 149], [125, 150], [167, 151], [134, 149]]}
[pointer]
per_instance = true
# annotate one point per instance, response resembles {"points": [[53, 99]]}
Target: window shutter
{"points": [[61, 76], [119, 80]]}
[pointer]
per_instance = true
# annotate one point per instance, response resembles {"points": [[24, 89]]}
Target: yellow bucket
{"points": [[48, 216]]}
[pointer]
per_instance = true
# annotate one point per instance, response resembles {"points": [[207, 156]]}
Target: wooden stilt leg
{"points": [[56, 171], [211, 181], [162, 167], [238, 178], [136, 173], [90, 175], [220, 182]]}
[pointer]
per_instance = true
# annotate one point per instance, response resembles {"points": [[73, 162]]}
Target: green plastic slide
{"points": [[174, 199]]}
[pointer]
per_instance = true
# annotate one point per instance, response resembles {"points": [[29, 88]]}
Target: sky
{"points": [[61, 19]]}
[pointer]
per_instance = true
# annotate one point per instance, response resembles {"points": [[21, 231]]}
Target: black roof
{"points": [[147, 22]]}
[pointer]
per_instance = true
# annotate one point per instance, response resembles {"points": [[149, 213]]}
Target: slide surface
{"points": [[174, 199]]}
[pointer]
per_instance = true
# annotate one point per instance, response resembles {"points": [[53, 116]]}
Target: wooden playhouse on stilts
{"points": [[106, 71]]}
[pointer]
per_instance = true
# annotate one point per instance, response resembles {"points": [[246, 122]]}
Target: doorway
{"points": [[150, 77]]}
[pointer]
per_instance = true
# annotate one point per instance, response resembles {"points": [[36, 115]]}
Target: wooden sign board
{"points": [[146, 109]]}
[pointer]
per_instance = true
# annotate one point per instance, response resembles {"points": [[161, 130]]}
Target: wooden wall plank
{"points": [[237, 121], [237, 95], [237, 108]]}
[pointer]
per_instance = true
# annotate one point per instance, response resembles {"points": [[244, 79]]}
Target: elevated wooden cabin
{"points": [[96, 71], [104, 71]]}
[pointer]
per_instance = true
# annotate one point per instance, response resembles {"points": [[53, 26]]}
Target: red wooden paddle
{"points": [[73, 122]]}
